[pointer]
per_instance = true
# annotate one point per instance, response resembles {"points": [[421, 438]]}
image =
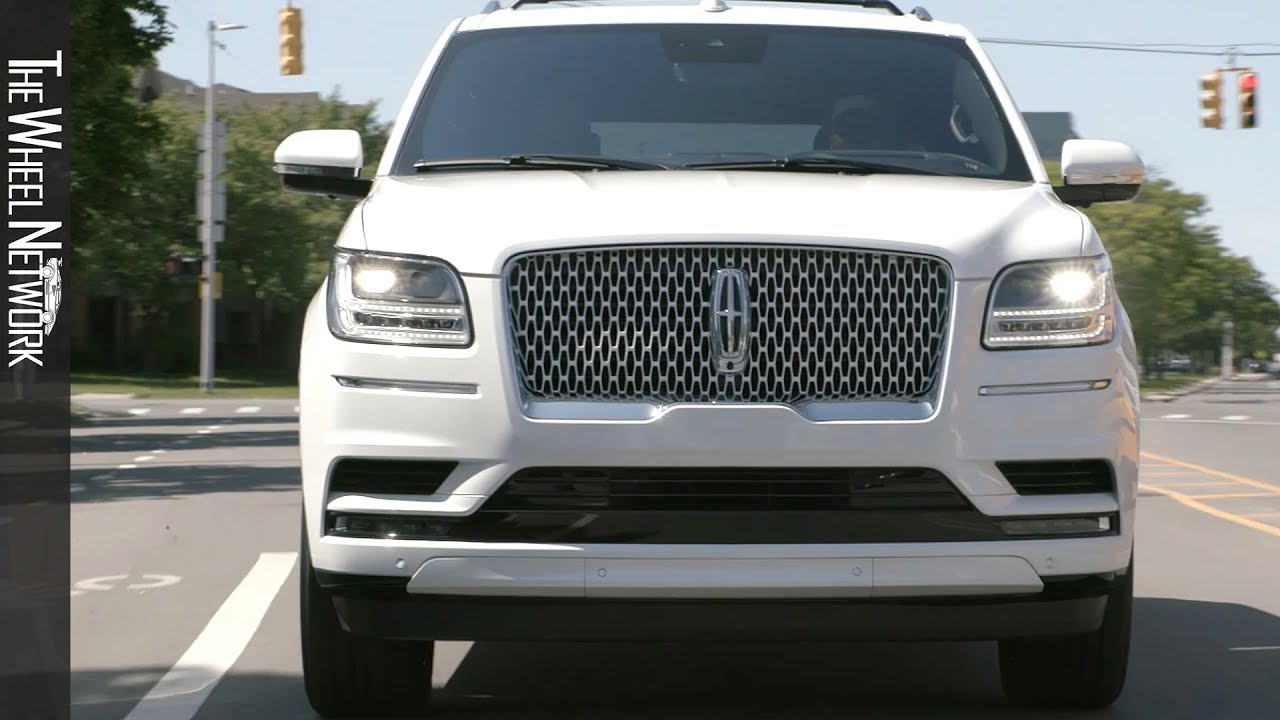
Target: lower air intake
{"points": [[725, 489], [388, 477], [1058, 477]]}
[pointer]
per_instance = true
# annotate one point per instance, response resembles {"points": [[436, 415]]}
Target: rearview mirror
{"points": [[1095, 171], [323, 162]]}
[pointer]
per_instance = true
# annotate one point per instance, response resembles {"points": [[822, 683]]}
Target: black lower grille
{"points": [[705, 505], [1058, 477], [390, 477], [725, 489]]}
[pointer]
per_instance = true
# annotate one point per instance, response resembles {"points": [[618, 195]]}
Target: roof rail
{"points": [[491, 6], [888, 5]]}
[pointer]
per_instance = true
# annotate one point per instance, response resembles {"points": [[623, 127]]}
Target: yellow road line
{"points": [[1273, 487], [1198, 484], [1210, 510], [1265, 514], [1175, 473], [1228, 496]]}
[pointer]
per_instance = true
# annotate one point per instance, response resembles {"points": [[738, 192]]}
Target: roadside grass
{"points": [[234, 385], [1169, 382]]}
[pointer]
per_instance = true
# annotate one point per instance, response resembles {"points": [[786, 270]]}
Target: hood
{"points": [[477, 220]]}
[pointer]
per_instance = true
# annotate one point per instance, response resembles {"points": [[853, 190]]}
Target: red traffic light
{"points": [[171, 267], [1248, 81]]}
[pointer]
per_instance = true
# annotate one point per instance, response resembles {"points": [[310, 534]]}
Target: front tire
{"points": [[348, 676], [1073, 671]]}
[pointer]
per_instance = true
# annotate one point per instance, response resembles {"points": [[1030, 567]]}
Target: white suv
{"points": [[714, 319]]}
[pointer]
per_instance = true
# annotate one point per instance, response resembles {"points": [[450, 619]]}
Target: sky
{"points": [[371, 50]]}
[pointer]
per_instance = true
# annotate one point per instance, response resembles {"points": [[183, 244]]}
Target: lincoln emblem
{"points": [[730, 320]]}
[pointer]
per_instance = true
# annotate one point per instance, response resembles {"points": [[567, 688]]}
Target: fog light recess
{"points": [[389, 527], [1081, 525]]}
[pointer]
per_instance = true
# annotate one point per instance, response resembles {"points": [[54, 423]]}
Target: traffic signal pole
{"points": [[207, 306], [208, 238]]}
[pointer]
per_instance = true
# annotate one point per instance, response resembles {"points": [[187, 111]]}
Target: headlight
{"points": [[1051, 304], [388, 299]]}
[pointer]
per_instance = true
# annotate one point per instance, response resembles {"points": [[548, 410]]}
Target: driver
{"points": [[859, 122]]}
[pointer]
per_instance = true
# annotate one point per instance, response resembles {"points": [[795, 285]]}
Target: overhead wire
{"points": [[1154, 48]]}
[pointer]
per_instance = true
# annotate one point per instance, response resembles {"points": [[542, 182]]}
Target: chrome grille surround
{"points": [[632, 324]]}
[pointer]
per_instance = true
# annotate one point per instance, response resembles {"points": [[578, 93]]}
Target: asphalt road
{"points": [[184, 539]]}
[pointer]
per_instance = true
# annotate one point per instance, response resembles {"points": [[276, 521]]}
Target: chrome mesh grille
{"points": [[633, 324]]}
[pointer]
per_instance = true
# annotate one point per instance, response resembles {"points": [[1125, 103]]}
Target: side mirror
{"points": [[1095, 171], [323, 162]]}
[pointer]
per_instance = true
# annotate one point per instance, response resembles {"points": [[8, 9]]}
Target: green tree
{"points": [[276, 245], [111, 132], [1176, 279]]}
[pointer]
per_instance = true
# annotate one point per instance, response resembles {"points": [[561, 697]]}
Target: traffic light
{"points": [[1211, 101], [1248, 100], [291, 41]]}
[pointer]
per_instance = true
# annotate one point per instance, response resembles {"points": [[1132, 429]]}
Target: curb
{"points": [[1191, 389], [103, 396]]}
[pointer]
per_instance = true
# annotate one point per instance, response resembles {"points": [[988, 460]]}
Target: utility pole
{"points": [[207, 234]]}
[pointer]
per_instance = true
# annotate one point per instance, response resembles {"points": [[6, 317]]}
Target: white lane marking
{"points": [[1261, 647], [159, 451], [248, 409], [450, 654], [181, 692], [127, 467], [215, 427], [203, 432], [1175, 416], [144, 458], [106, 582], [1235, 417], [1215, 422], [192, 411], [109, 582], [139, 411], [159, 581], [77, 487], [104, 476]]}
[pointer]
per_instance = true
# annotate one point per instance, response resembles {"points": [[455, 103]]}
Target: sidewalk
{"points": [[1204, 385], [1172, 395]]}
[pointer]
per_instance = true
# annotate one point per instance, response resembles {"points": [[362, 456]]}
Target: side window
{"points": [[973, 122]]}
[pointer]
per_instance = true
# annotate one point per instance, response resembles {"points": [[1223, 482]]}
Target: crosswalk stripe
{"points": [[192, 411], [1235, 417], [248, 409], [139, 411]]}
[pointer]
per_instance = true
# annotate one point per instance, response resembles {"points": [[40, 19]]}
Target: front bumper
{"points": [[369, 607], [490, 436]]}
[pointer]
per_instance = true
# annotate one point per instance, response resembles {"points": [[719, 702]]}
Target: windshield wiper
{"points": [[819, 163], [554, 162]]}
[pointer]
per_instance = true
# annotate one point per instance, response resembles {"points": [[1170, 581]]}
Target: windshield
{"points": [[681, 95]]}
